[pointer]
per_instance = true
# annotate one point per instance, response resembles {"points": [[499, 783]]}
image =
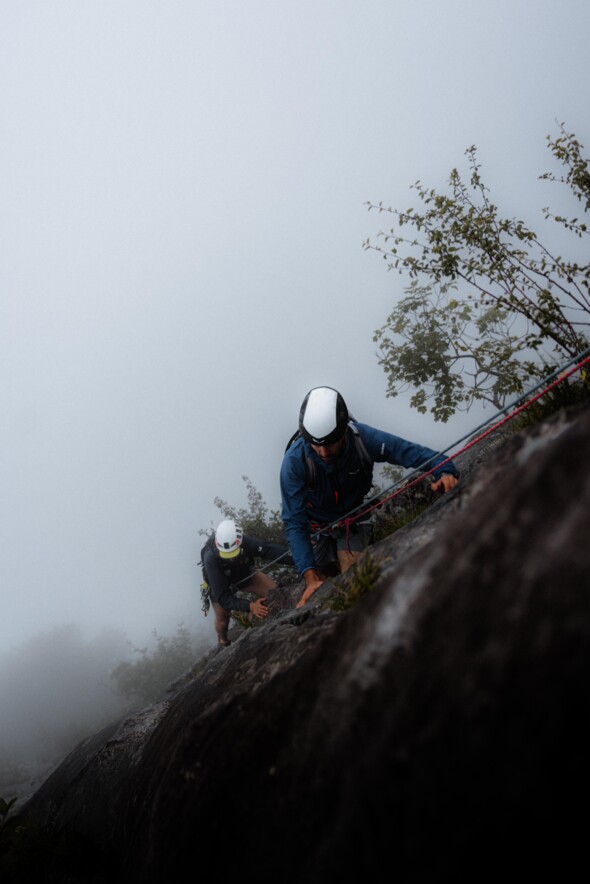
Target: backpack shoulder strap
{"points": [[366, 459], [206, 546], [310, 465], [295, 435]]}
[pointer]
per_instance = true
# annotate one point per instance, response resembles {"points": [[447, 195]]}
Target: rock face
{"points": [[438, 729]]}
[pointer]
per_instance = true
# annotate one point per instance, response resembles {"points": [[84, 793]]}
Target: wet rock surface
{"points": [[438, 728]]}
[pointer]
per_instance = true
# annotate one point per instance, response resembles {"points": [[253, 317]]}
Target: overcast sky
{"points": [[183, 189]]}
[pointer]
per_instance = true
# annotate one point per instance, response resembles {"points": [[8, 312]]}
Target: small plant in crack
{"points": [[356, 583]]}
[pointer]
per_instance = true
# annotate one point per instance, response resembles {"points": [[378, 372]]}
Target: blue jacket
{"points": [[341, 486]]}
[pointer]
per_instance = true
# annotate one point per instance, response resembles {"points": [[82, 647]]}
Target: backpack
{"points": [[209, 544], [364, 456], [205, 591]]}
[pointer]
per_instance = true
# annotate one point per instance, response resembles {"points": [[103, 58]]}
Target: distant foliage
{"points": [[489, 307], [145, 680], [257, 519]]}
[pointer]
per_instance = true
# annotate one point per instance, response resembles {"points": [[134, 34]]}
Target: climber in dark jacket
{"points": [[342, 480], [228, 567]]}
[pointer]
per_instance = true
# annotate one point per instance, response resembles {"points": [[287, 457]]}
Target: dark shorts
{"points": [[326, 546]]}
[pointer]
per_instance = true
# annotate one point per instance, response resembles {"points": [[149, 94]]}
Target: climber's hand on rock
{"points": [[259, 609], [445, 483]]}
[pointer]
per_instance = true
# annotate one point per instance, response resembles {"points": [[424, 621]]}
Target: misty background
{"points": [[184, 189]]}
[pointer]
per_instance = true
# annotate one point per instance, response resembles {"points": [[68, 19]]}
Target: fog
{"points": [[184, 190], [49, 704]]}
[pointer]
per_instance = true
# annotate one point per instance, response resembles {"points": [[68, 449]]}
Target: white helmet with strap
{"points": [[228, 539], [323, 417]]}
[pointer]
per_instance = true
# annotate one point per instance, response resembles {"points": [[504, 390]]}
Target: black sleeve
{"points": [[256, 548]]}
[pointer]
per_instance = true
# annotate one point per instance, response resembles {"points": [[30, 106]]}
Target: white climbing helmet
{"points": [[323, 417], [228, 539]]}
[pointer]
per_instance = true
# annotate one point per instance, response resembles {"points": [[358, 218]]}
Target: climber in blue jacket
{"points": [[327, 472]]}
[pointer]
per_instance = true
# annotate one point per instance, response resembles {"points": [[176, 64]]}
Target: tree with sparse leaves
{"points": [[145, 680], [489, 307]]}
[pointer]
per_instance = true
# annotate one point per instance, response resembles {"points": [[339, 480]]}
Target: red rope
{"points": [[349, 520]]}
